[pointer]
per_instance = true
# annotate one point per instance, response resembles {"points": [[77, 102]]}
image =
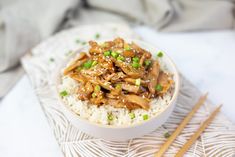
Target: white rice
{"points": [[100, 114]]}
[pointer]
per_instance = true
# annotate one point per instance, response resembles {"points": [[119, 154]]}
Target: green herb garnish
{"points": [[158, 87], [93, 95], [97, 88], [132, 115], [120, 58], [145, 117], [160, 54], [147, 62], [83, 43], [94, 63], [135, 65], [118, 86], [63, 93], [135, 59], [127, 48], [79, 68], [97, 36], [114, 54], [87, 64], [107, 53], [110, 117], [77, 41], [167, 135], [137, 82], [69, 53], [52, 59]]}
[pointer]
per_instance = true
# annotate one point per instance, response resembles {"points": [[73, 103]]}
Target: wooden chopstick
{"points": [[170, 140], [194, 137]]}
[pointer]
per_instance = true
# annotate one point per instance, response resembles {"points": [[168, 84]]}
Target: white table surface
{"points": [[206, 58]]}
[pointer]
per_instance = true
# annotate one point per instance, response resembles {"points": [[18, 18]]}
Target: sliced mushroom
{"points": [[165, 81], [95, 48], [116, 103], [123, 81], [130, 88], [106, 85], [133, 81], [118, 76], [128, 70], [119, 42], [137, 48], [153, 76], [142, 102], [82, 58], [96, 71], [98, 98], [132, 106], [78, 77], [88, 88], [128, 53]]}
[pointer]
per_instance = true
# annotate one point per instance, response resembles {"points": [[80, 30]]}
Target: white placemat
{"points": [[217, 140]]}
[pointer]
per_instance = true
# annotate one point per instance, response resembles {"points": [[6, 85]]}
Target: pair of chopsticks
{"points": [[194, 137]]}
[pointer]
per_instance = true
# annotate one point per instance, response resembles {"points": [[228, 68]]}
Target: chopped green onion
{"points": [[52, 59], [63, 93], [79, 68], [167, 135], [77, 41], [120, 58], [69, 53], [107, 53], [160, 54], [145, 117], [87, 64], [158, 87], [83, 43], [97, 36], [132, 115], [135, 59], [135, 65], [110, 117], [137, 82], [114, 54], [94, 63], [97, 88], [127, 47], [118, 86], [93, 95], [147, 62]]}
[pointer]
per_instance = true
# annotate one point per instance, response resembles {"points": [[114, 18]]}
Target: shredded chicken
{"points": [[118, 73], [140, 101], [153, 76]]}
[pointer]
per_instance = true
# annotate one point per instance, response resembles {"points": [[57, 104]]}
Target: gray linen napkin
{"points": [[173, 15], [23, 23]]}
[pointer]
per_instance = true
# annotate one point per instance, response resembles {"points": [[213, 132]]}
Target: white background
{"points": [[207, 59]]}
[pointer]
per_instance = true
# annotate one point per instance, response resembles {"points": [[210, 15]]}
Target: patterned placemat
{"points": [[217, 140]]}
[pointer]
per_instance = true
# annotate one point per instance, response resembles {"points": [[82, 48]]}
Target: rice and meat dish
{"points": [[116, 83]]}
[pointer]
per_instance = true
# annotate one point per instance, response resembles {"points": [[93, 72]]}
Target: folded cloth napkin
{"points": [[173, 15], [23, 23]]}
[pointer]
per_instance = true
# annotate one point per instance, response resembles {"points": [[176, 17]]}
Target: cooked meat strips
{"points": [[118, 73]]}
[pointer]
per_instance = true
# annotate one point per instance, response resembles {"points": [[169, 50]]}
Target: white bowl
{"points": [[120, 133]]}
